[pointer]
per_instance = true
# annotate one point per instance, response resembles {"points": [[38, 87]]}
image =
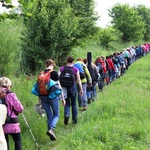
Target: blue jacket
{"points": [[55, 90]]}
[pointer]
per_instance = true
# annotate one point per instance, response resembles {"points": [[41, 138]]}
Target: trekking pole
{"points": [[30, 131]]}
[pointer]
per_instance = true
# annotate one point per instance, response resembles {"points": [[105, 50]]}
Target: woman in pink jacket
{"points": [[14, 107]]}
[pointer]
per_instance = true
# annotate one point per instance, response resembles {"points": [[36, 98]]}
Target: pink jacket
{"points": [[14, 106]]}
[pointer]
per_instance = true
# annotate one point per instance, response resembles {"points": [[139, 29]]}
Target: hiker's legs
{"points": [[67, 106], [84, 96], [89, 94], [94, 94], [7, 140], [110, 75], [17, 140], [55, 111], [100, 84], [80, 103], [52, 118], [72, 95]]}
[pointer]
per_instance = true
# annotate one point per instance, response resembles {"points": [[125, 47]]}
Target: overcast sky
{"points": [[102, 8]]}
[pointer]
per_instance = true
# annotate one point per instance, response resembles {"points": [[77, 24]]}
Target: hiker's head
{"points": [[107, 57], [79, 59], [70, 59], [102, 57], [2, 92], [98, 59], [5, 82], [49, 62], [85, 60]]}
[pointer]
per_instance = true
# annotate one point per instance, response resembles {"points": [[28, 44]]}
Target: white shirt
{"points": [[3, 112]]}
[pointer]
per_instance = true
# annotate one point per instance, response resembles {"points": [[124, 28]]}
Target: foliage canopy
{"points": [[128, 22]]}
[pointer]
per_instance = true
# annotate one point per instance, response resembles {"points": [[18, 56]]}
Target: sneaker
{"points": [[74, 121], [51, 134], [66, 119], [84, 108], [89, 101]]}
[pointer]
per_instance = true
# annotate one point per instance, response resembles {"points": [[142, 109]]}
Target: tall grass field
{"points": [[119, 119]]}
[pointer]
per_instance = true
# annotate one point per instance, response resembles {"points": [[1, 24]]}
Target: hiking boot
{"points": [[89, 101], [66, 119], [84, 108], [51, 134], [74, 121]]}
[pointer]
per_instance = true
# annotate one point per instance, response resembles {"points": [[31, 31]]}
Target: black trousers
{"points": [[17, 140]]}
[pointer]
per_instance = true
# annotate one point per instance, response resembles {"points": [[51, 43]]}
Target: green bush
{"points": [[10, 46]]}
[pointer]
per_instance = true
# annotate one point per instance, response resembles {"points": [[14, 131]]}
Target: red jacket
{"points": [[103, 65], [110, 64]]}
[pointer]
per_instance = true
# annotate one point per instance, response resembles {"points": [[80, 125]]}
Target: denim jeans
{"points": [[91, 92], [51, 107], [71, 102], [111, 74], [101, 84], [94, 94], [82, 100]]}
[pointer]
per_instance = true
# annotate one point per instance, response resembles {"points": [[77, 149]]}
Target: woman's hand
{"points": [[63, 102]]}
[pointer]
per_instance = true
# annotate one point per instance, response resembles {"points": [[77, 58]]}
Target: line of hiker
{"points": [[75, 84], [115, 65], [79, 80]]}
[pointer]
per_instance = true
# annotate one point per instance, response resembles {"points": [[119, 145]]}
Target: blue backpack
{"points": [[81, 70]]}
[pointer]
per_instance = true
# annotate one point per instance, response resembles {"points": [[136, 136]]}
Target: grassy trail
{"points": [[117, 120]]}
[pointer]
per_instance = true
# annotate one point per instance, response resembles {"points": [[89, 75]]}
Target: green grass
{"points": [[117, 120], [10, 46], [90, 46]]}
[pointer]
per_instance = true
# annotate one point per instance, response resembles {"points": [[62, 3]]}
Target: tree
{"points": [[106, 36], [51, 30], [145, 14], [128, 22], [6, 3], [84, 10]]}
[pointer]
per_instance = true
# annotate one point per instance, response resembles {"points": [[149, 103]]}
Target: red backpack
{"points": [[43, 82]]}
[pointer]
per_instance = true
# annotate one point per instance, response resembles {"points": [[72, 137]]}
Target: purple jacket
{"points": [[14, 106], [75, 69]]}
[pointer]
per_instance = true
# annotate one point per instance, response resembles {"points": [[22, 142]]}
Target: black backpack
{"points": [[99, 66], [93, 74], [67, 77]]}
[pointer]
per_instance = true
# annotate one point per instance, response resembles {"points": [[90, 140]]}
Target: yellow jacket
{"points": [[87, 73]]}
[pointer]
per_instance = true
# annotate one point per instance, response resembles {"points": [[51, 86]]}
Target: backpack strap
{"points": [[70, 67], [46, 71]]}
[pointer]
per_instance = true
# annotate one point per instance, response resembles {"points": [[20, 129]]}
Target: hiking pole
{"points": [[30, 131]]}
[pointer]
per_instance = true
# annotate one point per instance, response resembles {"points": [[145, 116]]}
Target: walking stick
{"points": [[30, 131]]}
